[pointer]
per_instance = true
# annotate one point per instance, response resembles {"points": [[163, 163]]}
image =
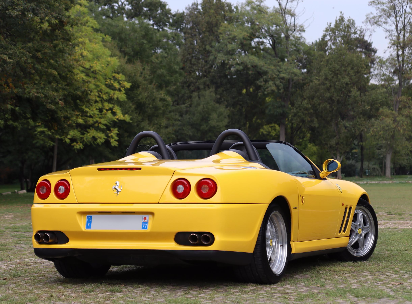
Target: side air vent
{"points": [[345, 220]]}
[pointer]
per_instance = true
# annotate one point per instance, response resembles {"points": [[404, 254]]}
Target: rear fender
{"points": [[240, 185]]}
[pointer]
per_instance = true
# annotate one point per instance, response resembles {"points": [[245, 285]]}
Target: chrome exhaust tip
{"points": [[193, 238], [39, 237], [206, 239], [49, 238]]}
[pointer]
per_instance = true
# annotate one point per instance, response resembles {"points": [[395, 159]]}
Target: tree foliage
{"points": [[395, 18], [338, 90], [72, 88], [79, 79]]}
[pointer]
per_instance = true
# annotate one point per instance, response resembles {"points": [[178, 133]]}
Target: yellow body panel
{"points": [[319, 209], [234, 214], [140, 186], [53, 178], [319, 245], [235, 226]]}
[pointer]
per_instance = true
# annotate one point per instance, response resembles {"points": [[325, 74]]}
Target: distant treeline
{"points": [[79, 79]]}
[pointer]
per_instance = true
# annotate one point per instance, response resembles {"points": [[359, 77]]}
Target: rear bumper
{"points": [[145, 257], [234, 226]]}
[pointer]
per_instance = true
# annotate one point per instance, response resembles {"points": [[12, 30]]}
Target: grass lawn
{"points": [[385, 278], [395, 179]]}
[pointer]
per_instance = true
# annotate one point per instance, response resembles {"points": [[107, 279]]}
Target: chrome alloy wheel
{"points": [[276, 242], [362, 232]]}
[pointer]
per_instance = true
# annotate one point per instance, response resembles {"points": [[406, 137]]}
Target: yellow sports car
{"points": [[253, 204]]}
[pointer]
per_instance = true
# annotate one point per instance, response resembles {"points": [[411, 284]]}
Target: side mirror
{"points": [[329, 166]]}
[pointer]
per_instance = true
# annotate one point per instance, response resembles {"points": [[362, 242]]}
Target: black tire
{"points": [[363, 234], [73, 268], [260, 270]]}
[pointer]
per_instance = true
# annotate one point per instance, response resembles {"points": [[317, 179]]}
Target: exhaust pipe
{"points": [[49, 238], [39, 237], [206, 239], [196, 238], [193, 239]]}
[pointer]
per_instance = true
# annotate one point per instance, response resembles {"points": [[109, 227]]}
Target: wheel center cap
{"points": [[271, 243], [359, 231]]}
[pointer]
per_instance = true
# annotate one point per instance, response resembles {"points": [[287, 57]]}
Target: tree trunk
{"points": [[29, 183], [388, 164], [361, 155], [339, 159], [55, 156], [21, 175], [282, 132]]}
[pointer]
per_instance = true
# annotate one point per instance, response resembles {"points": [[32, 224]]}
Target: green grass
{"points": [[9, 188], [394, 178], [385, 277], [391, 201]]}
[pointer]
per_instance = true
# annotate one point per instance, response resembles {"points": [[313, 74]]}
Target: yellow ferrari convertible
{"points": [[253, 204]]}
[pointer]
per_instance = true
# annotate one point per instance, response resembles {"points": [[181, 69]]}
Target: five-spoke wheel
{"points": [[272, 249], [363, 233], [276, 242]]}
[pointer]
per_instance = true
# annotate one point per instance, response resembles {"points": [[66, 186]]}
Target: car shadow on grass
{"points": [[173, 274], [202, 275]]}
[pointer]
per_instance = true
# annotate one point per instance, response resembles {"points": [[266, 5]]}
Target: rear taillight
{"points": [[43, 189], [206, 188], [181, 188], [62, 189]]}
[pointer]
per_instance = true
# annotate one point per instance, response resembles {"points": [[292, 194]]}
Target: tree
{"points": [[395, 18], [200, 31], [35, 65], [149, 58], [340, 74], [391, 130], [155, 12], [35, 68], [71, 90], [201, 99], [259, 49]]}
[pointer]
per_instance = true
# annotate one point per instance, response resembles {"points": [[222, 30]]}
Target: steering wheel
{"points": [[162, 147], [253, 156]]}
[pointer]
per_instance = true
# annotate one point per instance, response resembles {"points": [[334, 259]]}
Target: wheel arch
{"points": [[283, 203], [365, 197]]}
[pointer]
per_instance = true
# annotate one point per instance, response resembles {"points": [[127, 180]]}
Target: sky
{"points": [[316, 14]]}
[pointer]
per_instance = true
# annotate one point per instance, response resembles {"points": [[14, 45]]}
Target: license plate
{"points": [[117, 222]]}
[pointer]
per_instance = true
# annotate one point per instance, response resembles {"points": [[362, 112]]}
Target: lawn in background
{"points": [[394, 178], [386, 277]]}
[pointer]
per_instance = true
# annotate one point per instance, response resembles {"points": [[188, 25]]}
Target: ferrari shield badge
{"points": [[116, 188]]}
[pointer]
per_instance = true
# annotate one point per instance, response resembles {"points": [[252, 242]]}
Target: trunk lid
{"points": [[138, 178], [120, 182]]}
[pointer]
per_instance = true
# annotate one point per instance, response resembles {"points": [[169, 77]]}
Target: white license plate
{"points": [[117, 222]]}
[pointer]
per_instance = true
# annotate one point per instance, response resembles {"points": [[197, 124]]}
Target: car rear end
{"points": [[140, 213]]}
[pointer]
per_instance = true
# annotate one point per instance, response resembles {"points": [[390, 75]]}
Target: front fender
{"points": [[351, 192]]}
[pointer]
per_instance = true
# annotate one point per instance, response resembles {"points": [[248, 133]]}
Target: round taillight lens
{"points": [[206, 188], [43, 189], [62, 189], [181, 188]]}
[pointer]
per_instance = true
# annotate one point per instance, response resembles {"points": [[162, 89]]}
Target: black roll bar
{"points": [[162, 147], [246, 141]]}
